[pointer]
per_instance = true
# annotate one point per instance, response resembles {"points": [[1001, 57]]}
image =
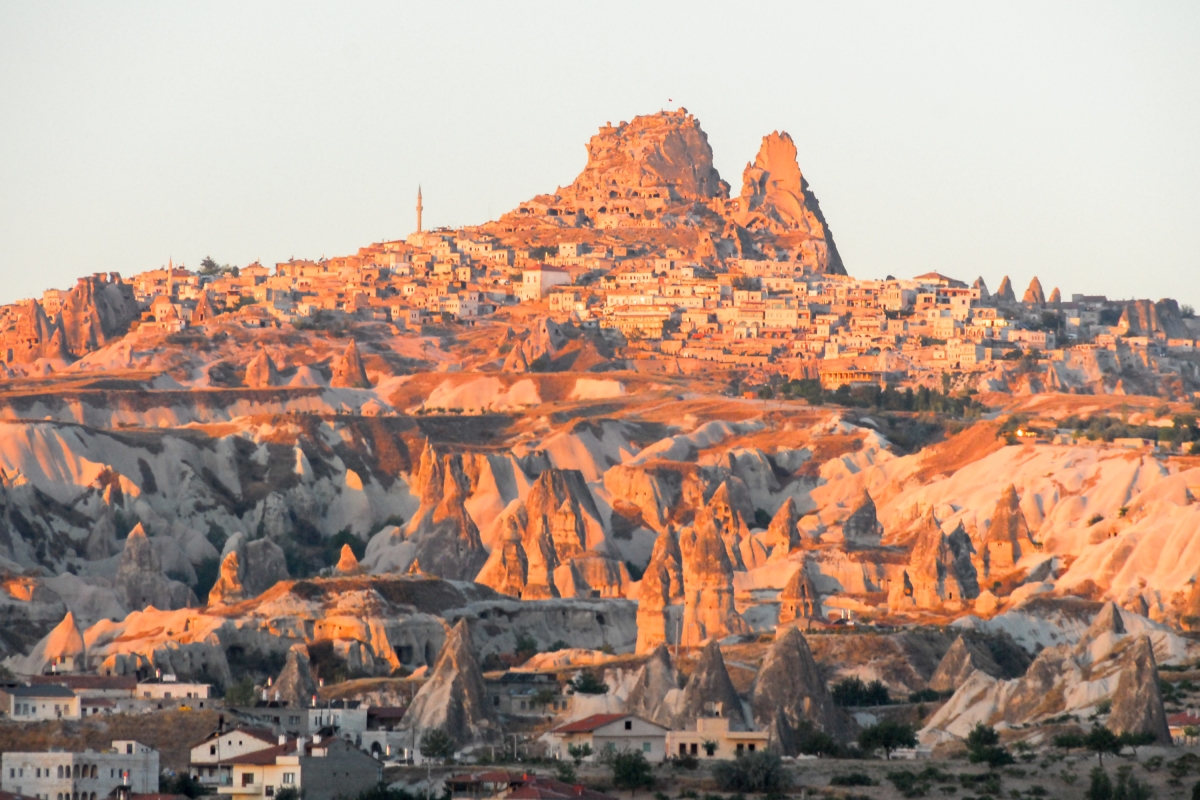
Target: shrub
{"points": [[853, 692], [752, 772], [587, 683], [852, 779], [887, 736], [436, 743], [632, 771]]}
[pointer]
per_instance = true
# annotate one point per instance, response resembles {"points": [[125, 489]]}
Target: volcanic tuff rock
{"points": [[661, 586], [1034, 293], [783, 535], [667, 152], [1137, 705], [228, 589], [800, 598], [728, 508], [295, 685], [1008, 535], [790, 692], [962, 659], [261, 372], [140, 579], [454, 699], [447, 541], [708, 607], [709, 692], [776, 197], [862, 528], [1055, 297], [656, 683], [348, 371], [95, 312], [1005, 293], [261, 564], [941, 567]]}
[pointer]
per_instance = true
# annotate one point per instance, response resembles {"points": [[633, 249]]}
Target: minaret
{"points": [[170, 278], [420, 208]]}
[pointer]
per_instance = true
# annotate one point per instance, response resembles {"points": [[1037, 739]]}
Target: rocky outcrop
{"points": [[656, 684], [776, 198], [60, 650], [962, 659], [295, 685], [662, 586], [446, 538], [454, 699], [260, 565], [708, 607], [941, 567], [981, 286], [709, 693], [348, 371], [1034, 294], [665, 154], [1147, 318], [790, 693], [1137, 705], [536, 352], [799, 598], [347, 562], [862, 528], [261, 372], [228, 589], [1005, 293], [95, 312], [1008, 535], [140, 579], [783, 534], [729, 508], [562, 548], [1055, 297]]}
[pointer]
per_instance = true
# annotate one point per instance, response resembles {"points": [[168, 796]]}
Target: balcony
{"points": [[241, 789]]}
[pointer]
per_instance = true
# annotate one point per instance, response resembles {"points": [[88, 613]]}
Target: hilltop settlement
{"points": [[633, 486]]}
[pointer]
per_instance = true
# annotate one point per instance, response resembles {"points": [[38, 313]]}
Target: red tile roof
{"points": [[589, 724]]}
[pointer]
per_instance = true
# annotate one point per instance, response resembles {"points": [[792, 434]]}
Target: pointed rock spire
{"points": [[1055, 297], [783, 534], [228, 589], [710, 693], [981, 285], [295, 685], [662, 585], [657, 679], [1005, 293], [790, 692], [708, 607], [348, 371], [261, 372], [64, 646], [799, 598], [1034, 294], [1137, 705], [454, 699], [347, 562]]}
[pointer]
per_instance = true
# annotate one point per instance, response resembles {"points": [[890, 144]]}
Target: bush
{"points": [[852, 779], [983, 747], [853, 692], [241, 693], [685, 761], [752, 772], [183, 784], [564, 771], [436, 743], [587, 683]]}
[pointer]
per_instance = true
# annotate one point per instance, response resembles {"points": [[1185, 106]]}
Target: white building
{"points": [[320, 770], [537, 283], [32, 703], [613, 732], [211, 761], [82, 776], [168, 688], [714, 732]]}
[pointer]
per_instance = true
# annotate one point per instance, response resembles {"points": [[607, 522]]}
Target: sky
{"points": [[1021, 139]]}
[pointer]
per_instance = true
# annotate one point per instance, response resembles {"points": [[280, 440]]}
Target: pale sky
{"points": [[1052, 139]]}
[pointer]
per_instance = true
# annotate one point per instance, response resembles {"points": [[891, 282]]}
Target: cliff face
{"points": [[776, 198], [96, 312], [446, 538], [454, 699], [790, 693], [664, 155]]}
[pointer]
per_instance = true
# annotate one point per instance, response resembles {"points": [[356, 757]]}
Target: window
{"points": [[129, 748], [212, 749], [645, 747], [695, 750], [751, 748], [289, 778], [740, 747], [270, 791], [247, 778], [628, 724]]}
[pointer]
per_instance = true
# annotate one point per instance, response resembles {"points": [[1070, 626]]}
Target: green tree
{"points": [[208, 266], [632, 771], [564, 771], [1072, 740], [1135, 740], [578, 752], [526, 647], [182, 783], [436, 743], [710, 746], [983, 747], [587, 683], [887, 736], [1196, 791], [753, 772], [543, 697], [1101, 740]]}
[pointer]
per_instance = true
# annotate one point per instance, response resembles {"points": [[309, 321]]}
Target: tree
{"points": [[1069, 741], [710, 746], [1196, 791], [564, 771], [182, 783], [1101, 740], [983, 747], [1135, 740], [752, 772], [208, 266], [436, 743], [526, 647], [587, 683], [887, 736], [543, 697], [632, 771], [578, 752]]}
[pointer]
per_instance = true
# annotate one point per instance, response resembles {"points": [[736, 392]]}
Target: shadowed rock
{"points": [[657, 679], [710, 693], [348, 371], [790, 692], [454, 699], [1137, 705], [295, 685]]}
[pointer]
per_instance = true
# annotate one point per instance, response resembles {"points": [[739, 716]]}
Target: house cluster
{"points": [[74, 696]]}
